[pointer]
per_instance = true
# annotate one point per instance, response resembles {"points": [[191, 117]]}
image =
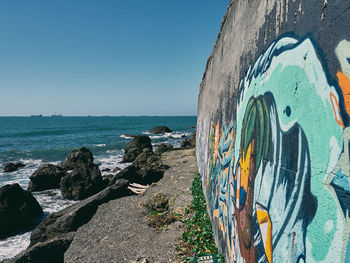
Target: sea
{"points": [[38, 140]]}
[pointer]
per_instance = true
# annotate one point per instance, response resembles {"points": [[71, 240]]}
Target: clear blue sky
{"points": [[105, 57]]}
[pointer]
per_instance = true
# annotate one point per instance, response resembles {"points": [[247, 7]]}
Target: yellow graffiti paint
{"points": [[245, 162], [265, 225]]}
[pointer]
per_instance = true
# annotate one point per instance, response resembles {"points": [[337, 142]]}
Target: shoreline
{"points": [[40, 193]]}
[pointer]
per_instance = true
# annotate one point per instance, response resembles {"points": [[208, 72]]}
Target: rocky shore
{"points": [[110, 205]]}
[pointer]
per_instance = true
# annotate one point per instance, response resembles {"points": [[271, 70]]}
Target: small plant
{"points": [[197, 238]]}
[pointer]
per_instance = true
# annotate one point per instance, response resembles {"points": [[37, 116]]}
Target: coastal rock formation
{"points": [[50, 251], [189, 142], [53, 236], [18, 208], [78, 157], [82, 182], [11, 167], [48, 176], [150, 167], [73, 217], [136, 146], [146, 169], [160, 130], [164, 148], [120, 230]]}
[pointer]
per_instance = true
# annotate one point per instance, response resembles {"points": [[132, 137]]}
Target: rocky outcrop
{"points": [[11, 167], [146, 169], [160, 130], [18, 209], [53, 236], [82, 182], [189, 142], [150, 167], [48, 176], [50, 251], [136, 146], [164, 148], [78, 157], [120, 230], [73, 217]]}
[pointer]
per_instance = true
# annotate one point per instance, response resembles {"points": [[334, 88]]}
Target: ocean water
{"points": [[38, 140]]}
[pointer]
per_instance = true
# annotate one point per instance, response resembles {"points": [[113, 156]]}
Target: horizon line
{"points": [[50, 116]]}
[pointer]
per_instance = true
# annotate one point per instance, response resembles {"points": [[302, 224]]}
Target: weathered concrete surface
{"points": [[272, 131], [119, 232]]}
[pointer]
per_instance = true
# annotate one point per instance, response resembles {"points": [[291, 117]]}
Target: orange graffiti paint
{"points": [[336, 110], [344, 84]]}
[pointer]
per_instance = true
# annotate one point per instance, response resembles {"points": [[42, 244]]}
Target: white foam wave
{"points": [[11, 246], [100, 145], [111, 161], [125, 137], [52, 201]]}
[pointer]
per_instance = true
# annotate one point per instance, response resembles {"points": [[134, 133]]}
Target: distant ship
{"points": [[56, 115], [39, 115]]}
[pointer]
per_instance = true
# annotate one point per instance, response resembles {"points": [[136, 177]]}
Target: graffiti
{"points": [[276, 176], [343, 55]]}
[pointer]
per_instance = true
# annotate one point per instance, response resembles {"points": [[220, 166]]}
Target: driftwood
{"points": [[137, 188]]}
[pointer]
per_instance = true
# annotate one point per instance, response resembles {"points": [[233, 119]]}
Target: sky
{"points": [[105, 57]]}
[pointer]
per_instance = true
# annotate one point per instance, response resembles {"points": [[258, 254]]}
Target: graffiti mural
{"points": [[276, 175]]}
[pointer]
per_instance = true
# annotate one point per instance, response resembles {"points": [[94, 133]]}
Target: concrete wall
{"points": [[272, 132]]}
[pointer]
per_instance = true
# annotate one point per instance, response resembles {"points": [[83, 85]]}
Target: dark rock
{"points": [[160, 130], [189, 142], [73, 217], [82, 182], [146, 169], [11, 167], [48, 176], [160, 202], [18, 209], [50, 251], [164, 148], [78, 157], [105, 170], [116, 169], [136, 146], [129, 173]]}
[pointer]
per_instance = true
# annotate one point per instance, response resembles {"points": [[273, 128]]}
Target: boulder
{"points": [[160, 202], [116, 169], [50, 240], [50, 251], [76, 215], [18, 209], [190, 142], [82, 182], [105, 170], [160, 130], [146, 169], [136, 146], [78, 157], [48, 176], [164, 148], [11, 167]]}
